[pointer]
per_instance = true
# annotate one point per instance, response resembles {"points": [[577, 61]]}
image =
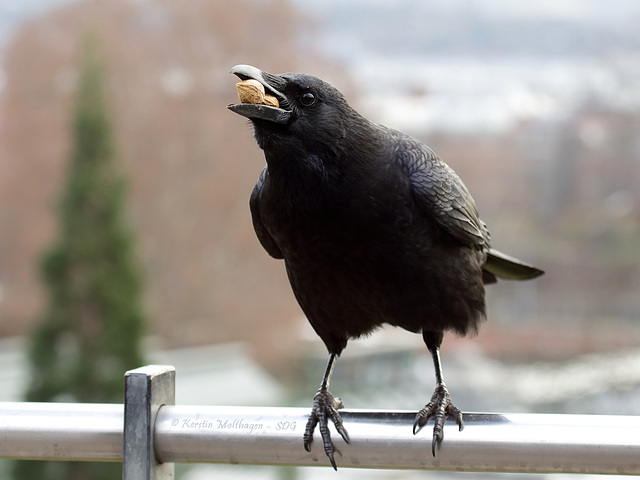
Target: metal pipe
{"points": [[61, 431], [273, 436], [489, 442]]}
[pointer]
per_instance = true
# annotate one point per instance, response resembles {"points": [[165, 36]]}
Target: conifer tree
{"points": [[91, 332]]}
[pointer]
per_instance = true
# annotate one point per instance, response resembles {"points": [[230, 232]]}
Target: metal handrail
{"points": [[599, 444]]}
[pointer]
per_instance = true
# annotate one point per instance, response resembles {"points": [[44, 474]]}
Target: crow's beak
{"points": [[273, 84]]}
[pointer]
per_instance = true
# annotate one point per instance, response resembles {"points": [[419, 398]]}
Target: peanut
{"points": [[252, 91]]}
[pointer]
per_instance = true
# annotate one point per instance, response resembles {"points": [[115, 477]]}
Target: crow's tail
{"points": [[501, 265]]}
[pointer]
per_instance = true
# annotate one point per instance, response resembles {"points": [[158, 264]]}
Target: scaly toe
{"points": [[325, 408], [440, 407]]}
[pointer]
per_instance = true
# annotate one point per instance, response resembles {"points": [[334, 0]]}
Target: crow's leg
{"points": [[325, 407], [440, 404]]}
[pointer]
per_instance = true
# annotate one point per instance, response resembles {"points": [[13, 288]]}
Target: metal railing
{"points": [[150, 434]]}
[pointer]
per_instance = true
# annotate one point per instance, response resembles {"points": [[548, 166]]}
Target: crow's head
{"points": [[312, 116]]}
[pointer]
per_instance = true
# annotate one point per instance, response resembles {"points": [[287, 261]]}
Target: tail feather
{"points": [[509, 268]]}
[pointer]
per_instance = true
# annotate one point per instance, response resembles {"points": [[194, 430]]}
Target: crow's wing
{"points": [[266, 240], [440, 193]]}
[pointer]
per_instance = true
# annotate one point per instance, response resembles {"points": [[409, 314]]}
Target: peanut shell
{"points": [[252, 91]]}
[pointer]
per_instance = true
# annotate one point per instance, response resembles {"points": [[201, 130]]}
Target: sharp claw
{"points": [[325, 409], [343, 433], [423, 417], [337, 422], [459, 421], [332, 460], [308, 431], [439, 407], [417, 424]]}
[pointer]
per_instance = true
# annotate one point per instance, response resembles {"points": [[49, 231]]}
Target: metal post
{"points": [[146, 390]]}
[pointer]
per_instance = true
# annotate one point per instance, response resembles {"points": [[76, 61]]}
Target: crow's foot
{"points": [[439, 408], [325, 407]]}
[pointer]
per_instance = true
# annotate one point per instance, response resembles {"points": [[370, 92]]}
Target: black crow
{"points": [[373, 227]]}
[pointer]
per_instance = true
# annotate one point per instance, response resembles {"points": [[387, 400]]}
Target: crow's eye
{"points": [[307, 99]]}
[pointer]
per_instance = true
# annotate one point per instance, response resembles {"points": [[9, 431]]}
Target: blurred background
{"points": [[536, 107]]}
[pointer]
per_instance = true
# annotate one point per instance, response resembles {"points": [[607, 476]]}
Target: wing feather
{"points": [[440, 193]]}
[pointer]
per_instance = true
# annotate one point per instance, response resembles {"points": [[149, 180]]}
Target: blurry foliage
{"points": [[92, 329]]}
